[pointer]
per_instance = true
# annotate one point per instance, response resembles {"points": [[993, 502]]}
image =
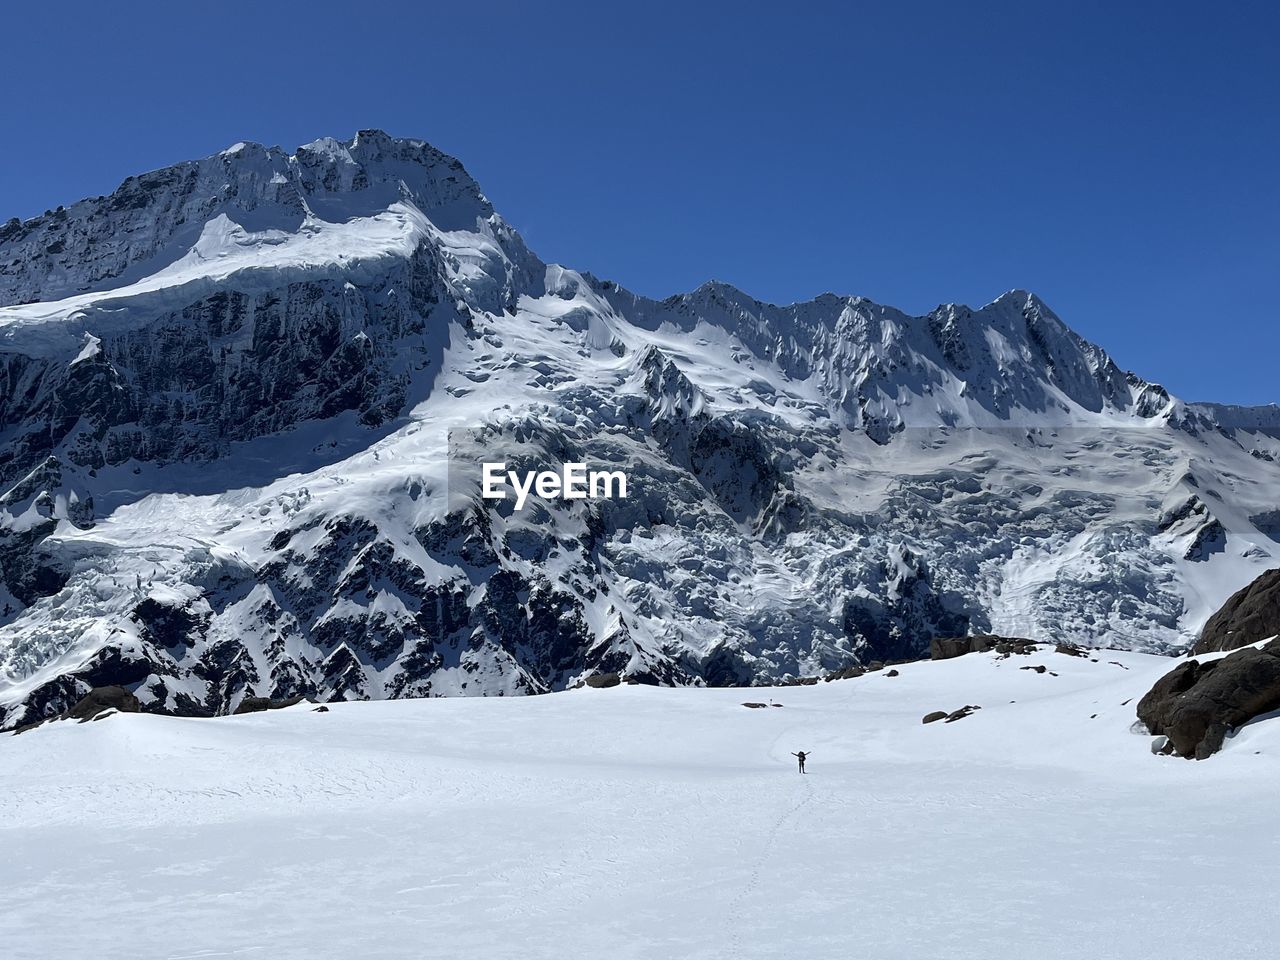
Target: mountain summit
{"points": [[243, 397]]}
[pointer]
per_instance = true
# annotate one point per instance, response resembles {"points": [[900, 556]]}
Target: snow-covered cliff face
{"points": [[242, 402], [157, 218]]}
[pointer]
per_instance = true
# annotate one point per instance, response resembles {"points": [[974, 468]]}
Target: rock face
{"points": [[95, 704], [244, 401], [101, 699], [1196, 705], [1250, 615]]}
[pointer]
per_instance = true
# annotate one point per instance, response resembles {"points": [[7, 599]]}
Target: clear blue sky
{"points": [[1121, 159]]}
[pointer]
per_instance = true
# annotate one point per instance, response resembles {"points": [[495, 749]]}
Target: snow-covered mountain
{"points": [[244, 400]]}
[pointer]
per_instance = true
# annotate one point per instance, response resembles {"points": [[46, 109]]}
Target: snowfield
{"points": [[641, 822]]}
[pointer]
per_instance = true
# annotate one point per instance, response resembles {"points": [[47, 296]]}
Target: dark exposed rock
{"points": [[1197, 704], [1193, 520], [229, 668], [644, 678], [726, 667], [935, 716], [892, 673], [1209, 539], [298, 363], [946, 648], [1268, 523], [909, 611], [47, 700], [113, 666], [1011, 646], [169, 625], [1250, 615], [25, 568], [600, 680], [755, 706], [847, 673], [92, 706], [1038, 668], [1071, 650], [101, 699], [736, 465], [260, 704], [961, 713]]}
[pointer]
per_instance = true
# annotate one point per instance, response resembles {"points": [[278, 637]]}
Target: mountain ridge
{"points": [[244, 473]]}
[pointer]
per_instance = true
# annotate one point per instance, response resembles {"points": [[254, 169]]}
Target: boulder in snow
{"points": [[1197, 704], [1252, 614]]}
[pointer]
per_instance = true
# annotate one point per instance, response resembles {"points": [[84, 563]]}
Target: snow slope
{"points": [[640, 822]]}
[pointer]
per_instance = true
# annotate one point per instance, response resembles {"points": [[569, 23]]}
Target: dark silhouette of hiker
{"points": [[802, 757]]}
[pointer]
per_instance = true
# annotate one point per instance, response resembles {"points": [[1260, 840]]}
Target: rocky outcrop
{"points": [[951, 717], [908, 609], [947, 648], [101, 699], [1252, 614], [262, 704], [1191, 524], [1197, 704], [95, 704], [845, 673]]}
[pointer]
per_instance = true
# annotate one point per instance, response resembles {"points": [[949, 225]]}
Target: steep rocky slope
{"points": [[1250, 615]]}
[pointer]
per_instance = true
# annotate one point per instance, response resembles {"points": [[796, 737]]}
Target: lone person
{"points": [[802, 757]]}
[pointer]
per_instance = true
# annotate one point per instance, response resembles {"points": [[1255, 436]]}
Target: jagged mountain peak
{"points": [[153, 219], [829, 303], [1010, 360]]}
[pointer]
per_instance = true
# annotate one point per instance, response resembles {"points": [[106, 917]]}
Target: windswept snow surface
{"points": [[640, 822]]}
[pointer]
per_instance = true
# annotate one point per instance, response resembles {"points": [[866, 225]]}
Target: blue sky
{"points": [[1120, 159]]}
